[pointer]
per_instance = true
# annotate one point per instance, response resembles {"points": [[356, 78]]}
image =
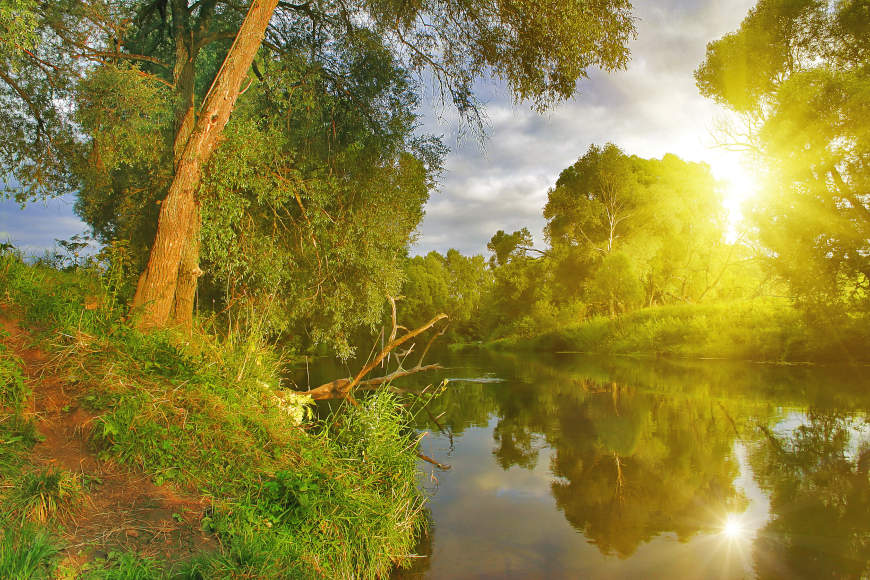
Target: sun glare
{"points": [[739, 184], [733, 527]]}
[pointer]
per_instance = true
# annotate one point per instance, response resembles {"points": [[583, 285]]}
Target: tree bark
{"points": [[187, 50], [156, 292]]}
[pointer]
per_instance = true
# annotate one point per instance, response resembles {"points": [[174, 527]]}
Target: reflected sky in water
{"points": [[620, 468]]}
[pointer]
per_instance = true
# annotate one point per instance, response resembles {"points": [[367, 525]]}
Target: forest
{"points": [[253, 176], [639, 254]]}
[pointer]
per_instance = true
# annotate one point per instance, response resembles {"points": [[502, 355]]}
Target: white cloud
{"points": [[650, 109]]}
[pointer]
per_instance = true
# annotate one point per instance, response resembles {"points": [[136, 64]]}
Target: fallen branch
{"points": [[342, 387], [433, 462]]}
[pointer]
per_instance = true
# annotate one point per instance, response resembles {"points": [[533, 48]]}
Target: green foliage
{"points": [[13, 390], [627, 231], [615, 283], [17, 28], [306, 207], [759, 330], [505, 247], [321, 178], [797, 72], [453, 284], [26, 553], [333, 499]]}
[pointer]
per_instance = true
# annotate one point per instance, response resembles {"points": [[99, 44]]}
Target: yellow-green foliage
{"points": [[761, 330]]}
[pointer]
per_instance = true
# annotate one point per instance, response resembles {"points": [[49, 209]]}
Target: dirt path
{"points": [[123, 509]]}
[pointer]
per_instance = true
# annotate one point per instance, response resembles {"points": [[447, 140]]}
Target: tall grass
{"points": [[332, 498], [46, 493], [25, 552]]}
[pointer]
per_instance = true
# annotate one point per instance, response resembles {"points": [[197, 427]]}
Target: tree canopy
{"points": [[320, 152], [796, 70]]}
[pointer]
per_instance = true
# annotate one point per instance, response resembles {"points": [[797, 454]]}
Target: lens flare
{"points": [[733, 527]]}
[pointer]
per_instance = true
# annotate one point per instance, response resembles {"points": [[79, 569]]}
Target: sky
{"points": [[650, 109]]}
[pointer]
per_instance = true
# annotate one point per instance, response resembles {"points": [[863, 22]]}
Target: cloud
{"points": [[650, 109], [34, 229]]}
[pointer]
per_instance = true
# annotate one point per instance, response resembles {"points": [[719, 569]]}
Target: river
{"points": [[567, 466]]}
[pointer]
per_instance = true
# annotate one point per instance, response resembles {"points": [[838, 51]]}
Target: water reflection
{"points": [[816, 475], [575, 467]]}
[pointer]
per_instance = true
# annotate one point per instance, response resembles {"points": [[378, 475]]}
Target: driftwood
{"points": [[343, 388]]}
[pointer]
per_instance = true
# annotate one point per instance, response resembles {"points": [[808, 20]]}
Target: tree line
{"points": [[625, 233], [263, 157]]}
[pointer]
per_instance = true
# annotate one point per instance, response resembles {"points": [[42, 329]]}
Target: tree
{"points": [[290, 198], [453, 284], [796, 71], [540, 53], [506, 247], [593, 201], [631, 231], [165, 287]]}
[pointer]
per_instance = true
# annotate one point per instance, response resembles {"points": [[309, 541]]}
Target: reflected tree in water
{"points": [[817, 477], [632, 466]]}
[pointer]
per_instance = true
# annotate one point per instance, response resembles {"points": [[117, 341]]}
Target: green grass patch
{"points": [[26, 552], [323, 498], [769, 330]]}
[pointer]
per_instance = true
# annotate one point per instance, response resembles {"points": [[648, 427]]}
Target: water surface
{"points": [[567, 466]]}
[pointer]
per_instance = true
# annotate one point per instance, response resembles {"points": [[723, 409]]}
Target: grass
{"points": [[123, 566], [768, 330], [13, 390], [26, 552], [328, 498], [46, 493]]}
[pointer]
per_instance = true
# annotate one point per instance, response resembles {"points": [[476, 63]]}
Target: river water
{"points": [[568, 466]]}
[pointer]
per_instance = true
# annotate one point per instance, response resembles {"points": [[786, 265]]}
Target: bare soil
{"points": [[123, 509]]}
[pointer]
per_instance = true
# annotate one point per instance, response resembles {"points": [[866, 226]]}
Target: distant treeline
{"points": [[639, 260]]}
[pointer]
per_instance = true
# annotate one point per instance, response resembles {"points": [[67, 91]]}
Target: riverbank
{"points": [[768, 330], [152, 456]]}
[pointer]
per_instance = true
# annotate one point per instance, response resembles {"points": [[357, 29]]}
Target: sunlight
{"points": [[740, 184], [733, 528]]}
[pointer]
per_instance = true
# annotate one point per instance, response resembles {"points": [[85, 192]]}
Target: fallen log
{"points": [[342, 388]]}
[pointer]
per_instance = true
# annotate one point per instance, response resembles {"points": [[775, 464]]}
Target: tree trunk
{"points": [[185, 118], [156, 293], [188, 275]]}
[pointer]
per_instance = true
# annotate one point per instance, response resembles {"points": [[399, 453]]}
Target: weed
{"points": [[46, 493], [25, 553]]}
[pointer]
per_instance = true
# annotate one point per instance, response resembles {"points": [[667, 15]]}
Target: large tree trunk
{"points": [[186, 51], [156, 292]]}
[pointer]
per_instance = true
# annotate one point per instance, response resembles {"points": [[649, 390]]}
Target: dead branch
{"points": [[432, 461], [342, 387]]}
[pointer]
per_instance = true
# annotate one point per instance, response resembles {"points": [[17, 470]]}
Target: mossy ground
{"points": [[148, 456]]}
